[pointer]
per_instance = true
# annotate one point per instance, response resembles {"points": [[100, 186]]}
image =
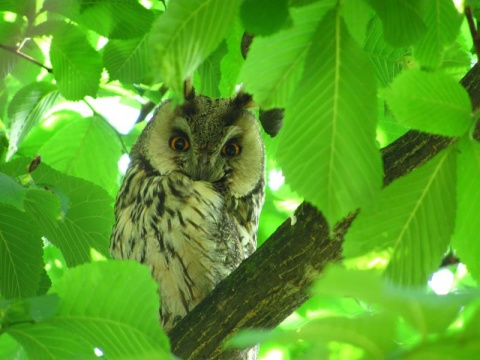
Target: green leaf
{"points": [[25, 71], [357, 15], [209, 75], [372, 333], [466, 240], [20, 254], [24, 7], [44, 283], [443, 349], [42, 341], [430, 102], [86, 221], [385, 58], [427, 313], [114, 305], [83, 142], [76, 64], [27, 108], [264, 17], [186, 34], [247, 338], [403, 20], [11, 349], [233, 61], [443, 24], [329, 155], [127, 60], [11, 192], [413, 218], [10, 32], [280, 57], [119, 19], [34, 309]]}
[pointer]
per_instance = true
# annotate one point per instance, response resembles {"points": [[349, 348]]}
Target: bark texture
{"points": [[273, 282]]}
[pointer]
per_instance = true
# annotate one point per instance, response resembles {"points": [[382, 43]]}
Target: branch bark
{"points": [[274, 281]]}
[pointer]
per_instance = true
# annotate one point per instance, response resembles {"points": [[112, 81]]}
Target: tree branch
{"points": [[273, 282]]}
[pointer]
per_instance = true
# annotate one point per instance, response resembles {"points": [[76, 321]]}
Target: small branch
{"points": [[25, 56], [473, 30], [149, 106]]}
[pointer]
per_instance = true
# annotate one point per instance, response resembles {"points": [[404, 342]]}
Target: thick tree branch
{"points": [[273, 282]]}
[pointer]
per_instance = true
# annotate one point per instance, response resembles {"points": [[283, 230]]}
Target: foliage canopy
{"points": [[352, 75]]}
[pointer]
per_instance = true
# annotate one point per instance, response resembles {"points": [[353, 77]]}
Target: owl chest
{"points": [[181, 230]]}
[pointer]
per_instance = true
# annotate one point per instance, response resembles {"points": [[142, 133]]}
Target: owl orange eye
{"points": [[179, 143], [231, 149]]}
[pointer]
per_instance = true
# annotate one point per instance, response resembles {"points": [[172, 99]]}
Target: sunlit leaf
{"points": [[232, 62], [264, 17], [373, 333], [77, 64], [467, 237], [24, 7], [32, 309], [84, 220], [25, 71], [425, 312], [403, 20], [42, 341], [280, 57], [27, 108], [386, 59], [86, 147], [114, 305], [11, 349], [330, 124], [127, 60], [444, 349], [413, 218], [86, 223], [11, 192], [430, 102], [20, 254], [119, 19], [186, 34], [357, 15], [443, 24], [209, 75]]}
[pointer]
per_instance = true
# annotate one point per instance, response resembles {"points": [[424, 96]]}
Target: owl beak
{"points": [[205, 169]]}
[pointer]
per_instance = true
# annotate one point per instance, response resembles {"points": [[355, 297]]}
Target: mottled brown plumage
{"points": [[190, 201]]}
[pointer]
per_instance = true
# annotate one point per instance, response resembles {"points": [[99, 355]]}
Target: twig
{"points": [[473, 30], [25, 56], [149, 106]]}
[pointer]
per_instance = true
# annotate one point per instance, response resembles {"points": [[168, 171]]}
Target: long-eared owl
{"points": [[191, 198]]}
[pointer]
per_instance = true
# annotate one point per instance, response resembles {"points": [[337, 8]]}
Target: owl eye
{"points": [[179, 143], [231, 149]]}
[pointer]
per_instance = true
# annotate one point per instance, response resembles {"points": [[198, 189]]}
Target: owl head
{"points": [[212, 140]]}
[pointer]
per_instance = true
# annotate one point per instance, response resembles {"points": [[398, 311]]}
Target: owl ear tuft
{"points": [[188, 90], [243, 101]]}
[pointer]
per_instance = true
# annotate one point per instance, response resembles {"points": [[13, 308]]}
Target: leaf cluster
{"points": [[352, 76]]}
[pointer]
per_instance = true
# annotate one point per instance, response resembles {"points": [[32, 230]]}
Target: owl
{"points": [[190, 201]]}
